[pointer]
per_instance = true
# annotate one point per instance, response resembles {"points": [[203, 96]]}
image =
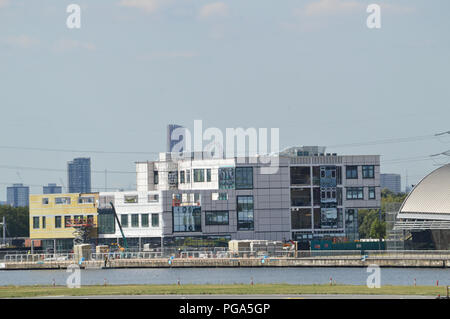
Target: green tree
{"points": [[17, 220]]}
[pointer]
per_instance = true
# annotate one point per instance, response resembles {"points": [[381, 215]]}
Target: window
{"points": [[208, 174], [372, 193], [124, 220], [86, 200], [155, 177], [130, 199], [153, 198], [106, 221], [188, 176], [155, 220], [35, 222], [45, 201], [144, 220], [173, 178], [66, 221], [368, 171], [351, 172], [134, 220], [216, 217], [199, 175], [62, 200], [244, 177], [301, 196], [300, 175], [182, 177], [186, 219], [355, 193], [44, 222], [226, 178], [90, 219], [219, 196], [57, 221], [301, 218], [245, 218]]}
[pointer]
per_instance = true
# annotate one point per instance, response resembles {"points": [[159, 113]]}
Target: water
{"points": [[352, 276]]}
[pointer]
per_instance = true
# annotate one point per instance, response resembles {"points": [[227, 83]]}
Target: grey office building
{"points": [[79, 175], [391, 181], [17, 195], [52, 189]]}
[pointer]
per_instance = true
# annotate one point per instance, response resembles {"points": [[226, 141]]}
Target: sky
{"points": [[313, 69]]}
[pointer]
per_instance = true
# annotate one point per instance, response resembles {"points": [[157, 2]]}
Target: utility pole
{"points": [[4, 230]]}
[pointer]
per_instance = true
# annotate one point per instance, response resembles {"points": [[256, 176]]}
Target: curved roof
{"points": [[431, 195]]}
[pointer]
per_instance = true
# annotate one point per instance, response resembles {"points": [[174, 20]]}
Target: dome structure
{"points": [[428, 205]]}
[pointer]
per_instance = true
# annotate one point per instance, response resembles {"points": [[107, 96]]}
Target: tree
{"points": [[17, 221]]}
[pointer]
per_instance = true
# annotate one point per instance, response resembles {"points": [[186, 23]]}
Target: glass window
{"points": [[124, 220], [372, 193], [245, 218], [302, 196], [301, 218], [130, 199], [182, 177], [187, 219], [208, 174], [144, 220], [226, 178], [106, 221], [58, 221], [62, 200], [155, 177], [134, 220], [86, 200], [368, 171], [188, 176], [173, 178], [217, 217], [153, 198], [300, 175], [155, 220], [66, 221], [44, 222], [355, 193], [35, 222], [244, 177], [351, 172], [199, 175], [45, 201]]}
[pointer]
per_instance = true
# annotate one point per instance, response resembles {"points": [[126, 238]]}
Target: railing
{"points": [[224, 254]]}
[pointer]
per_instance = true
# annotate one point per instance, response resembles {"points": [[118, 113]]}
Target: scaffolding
{"points": [[83, 228]]}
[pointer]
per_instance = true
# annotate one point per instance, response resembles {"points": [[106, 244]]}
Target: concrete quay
{"points": [[235, 262]]}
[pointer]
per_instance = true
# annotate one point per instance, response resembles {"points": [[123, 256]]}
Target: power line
{"points": [[60, 170], [72, 151]]}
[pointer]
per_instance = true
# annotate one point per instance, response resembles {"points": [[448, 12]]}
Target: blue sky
{"points": [[311, 68]]}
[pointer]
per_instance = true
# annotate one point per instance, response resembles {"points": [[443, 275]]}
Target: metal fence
{"points": [[221, 253]]}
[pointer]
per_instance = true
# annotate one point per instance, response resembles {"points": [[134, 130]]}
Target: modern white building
{"points": [[200, 201]]}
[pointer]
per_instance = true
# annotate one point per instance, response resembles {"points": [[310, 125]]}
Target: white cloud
{"points": [[331, 7], [67, 45], [150, 6], [21, 41], [216, 9]]}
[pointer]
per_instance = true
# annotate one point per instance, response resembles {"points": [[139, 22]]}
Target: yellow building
{"points": [[51, 216]]}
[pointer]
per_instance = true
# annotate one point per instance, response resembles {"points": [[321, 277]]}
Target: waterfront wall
{"points": [[234, 262]]}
